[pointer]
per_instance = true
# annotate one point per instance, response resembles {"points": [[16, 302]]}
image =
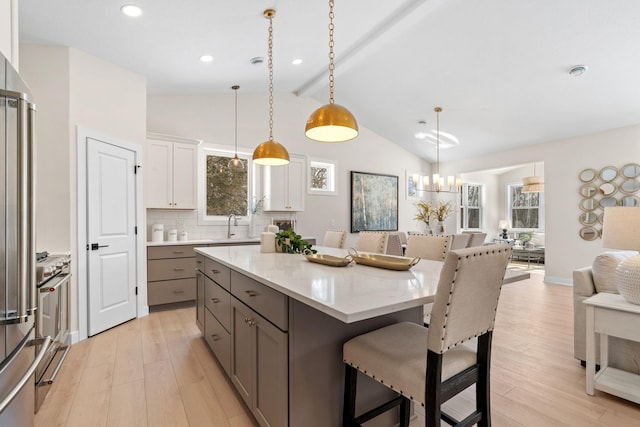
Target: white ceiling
{"points": [[499, 68]]}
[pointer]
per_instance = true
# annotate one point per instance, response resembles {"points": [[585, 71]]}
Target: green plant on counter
{"points": [[291, 243]]}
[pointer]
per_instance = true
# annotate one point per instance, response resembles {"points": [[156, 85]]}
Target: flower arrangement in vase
{"points": [[439, 211]]}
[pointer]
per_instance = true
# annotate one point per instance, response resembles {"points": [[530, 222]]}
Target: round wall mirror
{"points": [[630, 186], [631, 170], [588, 204], [608, 201], [588, 218], [608, 188], [588, 190], [588, 175], [630, 201], [608, 173], [589, 233]]}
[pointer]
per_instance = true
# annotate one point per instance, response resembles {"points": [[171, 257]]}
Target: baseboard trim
{"points": [[557, 281]]}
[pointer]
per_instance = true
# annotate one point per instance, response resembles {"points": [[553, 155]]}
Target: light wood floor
{"points": [[157, 371]]}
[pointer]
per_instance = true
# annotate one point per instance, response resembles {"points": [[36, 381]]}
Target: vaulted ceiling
{"points": [[498, 68]]}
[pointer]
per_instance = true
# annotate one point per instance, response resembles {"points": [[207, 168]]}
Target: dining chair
{"points": [[476, 239], [394, 245], [427, 246], [372, 241], [459, 241], [334, 239], [431, 365]]}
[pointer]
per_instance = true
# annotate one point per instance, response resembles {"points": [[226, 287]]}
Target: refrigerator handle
{"points": [[31, 211], [26, 378], [23, 207]]}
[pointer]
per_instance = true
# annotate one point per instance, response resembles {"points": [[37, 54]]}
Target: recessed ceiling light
{"points": [[297, 61], [578, 70], [206, 58], [131, 10]]}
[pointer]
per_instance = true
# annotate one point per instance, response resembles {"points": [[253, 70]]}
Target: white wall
{"points": [[563, 161], [74, 89], [211, 118]]}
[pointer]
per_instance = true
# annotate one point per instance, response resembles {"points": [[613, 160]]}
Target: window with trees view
{"points": [[227, 190], [471, 207], [525, 209]]}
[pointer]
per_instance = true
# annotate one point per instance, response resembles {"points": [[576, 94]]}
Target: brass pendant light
{"points": [[270, 153], [331, 122], [236, 163]]}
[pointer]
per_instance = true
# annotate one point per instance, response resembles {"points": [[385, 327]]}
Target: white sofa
{"points": [[587, 281]]}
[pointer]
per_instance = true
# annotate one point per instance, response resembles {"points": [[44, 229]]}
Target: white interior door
{"points": [[111, 196]]}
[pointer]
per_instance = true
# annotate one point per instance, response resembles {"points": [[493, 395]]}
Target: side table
{"points": [[610, 314]]}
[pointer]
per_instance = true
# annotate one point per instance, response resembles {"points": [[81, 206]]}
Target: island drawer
{"points": [[200, 262], [177, 251], [218, 301], [170, 291], [218, 339], [162, 269], [219, 273], [269, 303]]}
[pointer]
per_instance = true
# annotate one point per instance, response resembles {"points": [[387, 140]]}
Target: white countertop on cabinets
{"points": [[238, 241], [348, 294]]}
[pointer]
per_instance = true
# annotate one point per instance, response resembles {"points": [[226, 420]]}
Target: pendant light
{"points": [[331, 122], [533, 184], [422, 182], [270, 153], [236, 163]]}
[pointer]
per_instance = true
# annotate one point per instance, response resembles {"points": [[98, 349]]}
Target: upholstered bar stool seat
{"points": [[334, 239]]}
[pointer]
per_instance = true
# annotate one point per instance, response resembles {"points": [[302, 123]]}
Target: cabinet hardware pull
{"points": [[178, 269], [215, 337], [215, 271], [178, 291], [251, 293], [198, 262], [178, 252], [215, 300], [251, 322], [246, 320]]}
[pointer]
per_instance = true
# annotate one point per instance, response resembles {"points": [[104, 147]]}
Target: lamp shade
{"points": [[331, 123], [271, 153], [503, 223], [533, 184], [621, 228]]}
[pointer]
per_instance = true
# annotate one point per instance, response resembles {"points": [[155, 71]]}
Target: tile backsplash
{"points": [[187, 220]]}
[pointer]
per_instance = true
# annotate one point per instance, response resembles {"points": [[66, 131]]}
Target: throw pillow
{"points": [[604, 270]]}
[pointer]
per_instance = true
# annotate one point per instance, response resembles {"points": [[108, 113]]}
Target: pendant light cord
{"points": [[331, 54], [270, 77], [437, 110], [235, 89]]}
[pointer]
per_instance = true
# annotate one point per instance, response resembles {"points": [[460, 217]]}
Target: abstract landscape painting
{"points": [[374, 202]]}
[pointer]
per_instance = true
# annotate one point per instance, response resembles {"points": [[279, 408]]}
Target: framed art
{"points": [[322, 177], [284, 224], [374, 202], [414, 182]]}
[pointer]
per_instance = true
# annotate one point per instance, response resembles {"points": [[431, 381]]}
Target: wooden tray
{"points": [[331, 260], [384, 261]]}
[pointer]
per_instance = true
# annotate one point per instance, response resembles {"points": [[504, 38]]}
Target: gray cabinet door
{"points": [[259, 365], [200, 301]]}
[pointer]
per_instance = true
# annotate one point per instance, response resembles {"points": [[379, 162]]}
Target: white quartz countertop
{"points": [[238, 241], [349, 294]]}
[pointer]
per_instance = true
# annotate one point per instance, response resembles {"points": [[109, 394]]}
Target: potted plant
{"points": [[289, 242], [424, 213]]}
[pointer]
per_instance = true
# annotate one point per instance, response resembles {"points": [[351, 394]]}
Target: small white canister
{"points": [[172, 235], [157, 232], [183, 236]]}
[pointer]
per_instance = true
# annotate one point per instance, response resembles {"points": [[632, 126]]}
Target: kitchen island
{"points": [[276, 323]]}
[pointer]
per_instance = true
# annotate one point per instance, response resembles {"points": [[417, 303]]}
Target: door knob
{"points": [[95, 246]]}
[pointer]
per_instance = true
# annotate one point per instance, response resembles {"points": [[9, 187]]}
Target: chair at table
{"points": [[459, 241], [334, 239], [476, 239], [431, 365], [427, 246], [372, 241], [394, 246]]}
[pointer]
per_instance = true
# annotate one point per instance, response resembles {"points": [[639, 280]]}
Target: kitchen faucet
{"points": [[235, 222]]}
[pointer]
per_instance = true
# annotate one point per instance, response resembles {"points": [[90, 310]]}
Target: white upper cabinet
{"points": [[170, 178], [284, 186]]}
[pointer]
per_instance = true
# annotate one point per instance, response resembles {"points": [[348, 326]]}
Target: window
{"points": [[471, 207], [526, 210], [226, 190]]}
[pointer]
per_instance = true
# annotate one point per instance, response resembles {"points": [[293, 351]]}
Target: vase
{"points": [[255, 226], [438, 228]]}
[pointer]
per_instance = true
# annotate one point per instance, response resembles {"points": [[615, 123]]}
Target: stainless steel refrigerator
{"points": [[18, 358]]}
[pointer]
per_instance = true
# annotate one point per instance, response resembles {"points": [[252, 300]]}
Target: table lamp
{"points": [[621, 230], [504, 225]]}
